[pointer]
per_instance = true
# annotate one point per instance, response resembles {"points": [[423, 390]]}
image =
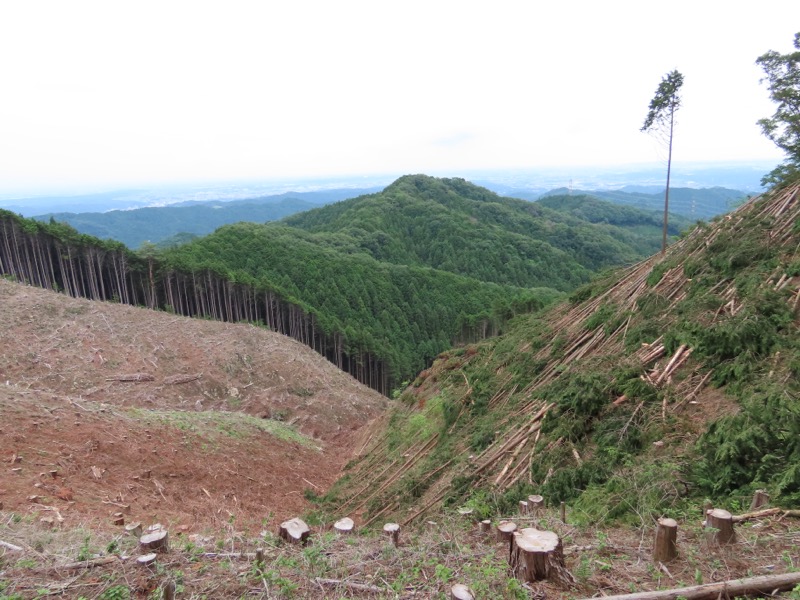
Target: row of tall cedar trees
{"points": [[55, 256]]}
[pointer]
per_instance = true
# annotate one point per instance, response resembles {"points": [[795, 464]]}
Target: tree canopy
{"points": [[782, 74]]}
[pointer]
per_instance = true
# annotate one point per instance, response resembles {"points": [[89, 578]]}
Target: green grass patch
{"points": [[212, 425]]}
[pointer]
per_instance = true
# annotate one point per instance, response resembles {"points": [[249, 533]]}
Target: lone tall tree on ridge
{"points": [[661, 118]]}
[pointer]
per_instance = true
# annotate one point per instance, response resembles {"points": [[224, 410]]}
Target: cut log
{"points": [[461, 592], [665, 547], [393, 531], [538, 556], [760, 500], [344, 526], [156, 541], [720, 525], [147, 560], [294, 530], [750, 586]]}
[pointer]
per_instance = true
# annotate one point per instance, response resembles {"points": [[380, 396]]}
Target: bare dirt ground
{"points": [[106, 407]]}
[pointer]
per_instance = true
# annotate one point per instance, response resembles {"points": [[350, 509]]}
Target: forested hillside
{"points": [[687, 203], [453, 225], [651, 388], [379, 284], [156, 224]]}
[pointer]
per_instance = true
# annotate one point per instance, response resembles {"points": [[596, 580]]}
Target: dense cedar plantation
{"points": [[674, 380], [456, 226], [379, 284]]}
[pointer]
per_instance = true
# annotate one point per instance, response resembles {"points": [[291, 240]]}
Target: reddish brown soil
{"points": [[179, 453]]}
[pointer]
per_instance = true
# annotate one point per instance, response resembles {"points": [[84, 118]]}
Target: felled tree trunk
{"points": [[665, 547], [750, 586], [720, 525], [538, 556], [294, 530]]}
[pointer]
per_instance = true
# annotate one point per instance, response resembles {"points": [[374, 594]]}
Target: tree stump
{"points": [[564, 513], [155, 541], [535, 503], [720, 524], [344, 526], [665, 547], [294, 530], [169, 590], [147, 560], [461, 592], [538, 556], [505, 533], [523, 507], [760, 499], [134, 529], [485, 526], [393, 531], [118, 519]]}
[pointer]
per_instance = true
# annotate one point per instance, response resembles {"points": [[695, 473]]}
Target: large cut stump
{"points": [[344, 526], [155, 541], [720, 525], [294, 530], [538, 556], [665, 547]]}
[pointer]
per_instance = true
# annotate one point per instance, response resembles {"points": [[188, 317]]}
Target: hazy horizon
{"points": [[733, 175], [110, 96]]}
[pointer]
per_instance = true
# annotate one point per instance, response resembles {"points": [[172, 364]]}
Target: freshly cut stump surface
{"points": [[345, 525], [538, 556], [461, 592], [665, 547], [294, 530]]}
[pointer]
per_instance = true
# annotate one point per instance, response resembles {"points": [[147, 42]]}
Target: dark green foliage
{"points": [[758, 446], [453, 225], [783, 127]]}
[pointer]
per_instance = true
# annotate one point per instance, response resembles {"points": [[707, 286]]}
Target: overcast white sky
{"points": [[104, 93]]}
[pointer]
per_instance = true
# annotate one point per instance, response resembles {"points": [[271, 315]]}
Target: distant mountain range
{"points": [[176, 223]]}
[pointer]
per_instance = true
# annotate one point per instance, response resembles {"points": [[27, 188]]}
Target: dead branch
{"points": [[10, 547], [763, 584], [361, 587], [178, 379]]}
